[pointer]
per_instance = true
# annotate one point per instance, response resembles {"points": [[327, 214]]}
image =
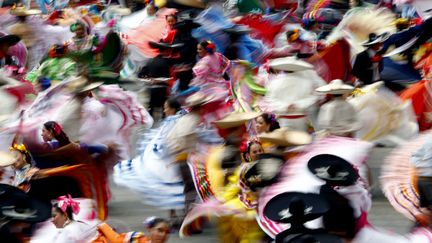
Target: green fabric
{"points": [[248, 6], [54, 69]]}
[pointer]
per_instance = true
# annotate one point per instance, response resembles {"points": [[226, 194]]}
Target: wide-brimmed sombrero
{"points": [[286, 137], [17, 205], [238, 30], [196, 99], [236, 119], [375, 39], [289, 64], [320, 236], [263, 172], [161, 45], [292, 207], [337, 87], [334, 170], [6, 159], [191, 3], [23, 11], [10, 40]]}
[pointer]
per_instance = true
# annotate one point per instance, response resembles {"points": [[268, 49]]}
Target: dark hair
{"points": [[68, 212], [208, 46], [270, 118], [153, 221], [174, 104], [171, 15], [247, 148], [58, 133]]}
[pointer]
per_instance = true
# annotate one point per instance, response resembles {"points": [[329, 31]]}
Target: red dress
{"points": [[420, 95]]}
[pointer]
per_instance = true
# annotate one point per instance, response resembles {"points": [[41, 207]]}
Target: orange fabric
{"points": [[417, 93], [107, 234]]}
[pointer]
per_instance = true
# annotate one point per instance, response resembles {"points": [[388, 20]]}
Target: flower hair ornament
{"points": [[210, 48], [67, 201], [57, 128]]}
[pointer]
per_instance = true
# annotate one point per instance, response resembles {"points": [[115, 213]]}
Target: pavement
{"points": [[126, 209]]}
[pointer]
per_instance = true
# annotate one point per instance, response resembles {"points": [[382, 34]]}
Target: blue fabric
{"points": [[401, 73]]}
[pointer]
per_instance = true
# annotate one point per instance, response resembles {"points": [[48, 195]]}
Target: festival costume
{"points": [[108, 235], [296, 177], [232, 203], [209, 71], [81, 229], [153, 173], [57, 68], [384, 117], [284, 90]]}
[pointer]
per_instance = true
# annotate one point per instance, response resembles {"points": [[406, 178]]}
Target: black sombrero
{"points": [[296, 207], [375, 39], [238, 30], [312, 236], [17, 205], [9, 39], [264, 172], [161, 45], [333, 169]]}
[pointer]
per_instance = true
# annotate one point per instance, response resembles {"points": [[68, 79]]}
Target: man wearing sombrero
{"points": [[6, 41], [369, 63]]}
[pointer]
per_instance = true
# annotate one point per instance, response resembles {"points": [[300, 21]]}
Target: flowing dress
{"points": [[152, 174]]}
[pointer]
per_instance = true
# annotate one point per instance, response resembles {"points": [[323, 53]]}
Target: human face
{"points": [[79, 32], [58, 219], [377, 47], [168, 111], [261, 126], [160, 233], [151, 10], [19, 160], [47, 135], [254, 151], [201, 51], [171, 21]]}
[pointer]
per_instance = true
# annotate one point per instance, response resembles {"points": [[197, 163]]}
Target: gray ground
{"points": [[126, 208]]}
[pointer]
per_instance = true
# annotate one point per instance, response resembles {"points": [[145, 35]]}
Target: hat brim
{"points": [[191, 3], [315, 206], [381, 39], [10, 197], [286, 137], [160, 45], [264, 172], [318, 235], [338, 165], [289, 64], [90, 87], [236, 119], [26, 12], [6, 159], [11, 40], [238, 29]]}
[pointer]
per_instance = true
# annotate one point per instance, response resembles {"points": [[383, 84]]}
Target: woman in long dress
{"points": [[152, 173]]}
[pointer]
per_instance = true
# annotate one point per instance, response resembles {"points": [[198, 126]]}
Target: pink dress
{"points": [[209, 72]]}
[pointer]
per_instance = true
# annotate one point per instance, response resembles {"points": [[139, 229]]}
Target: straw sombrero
{"points": [[191, 3], [196, 99], [119, 10], [10, 40], [6, 159], [336, 86], [290, 64], [236, 119], [286, 137], [22, 11]]}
